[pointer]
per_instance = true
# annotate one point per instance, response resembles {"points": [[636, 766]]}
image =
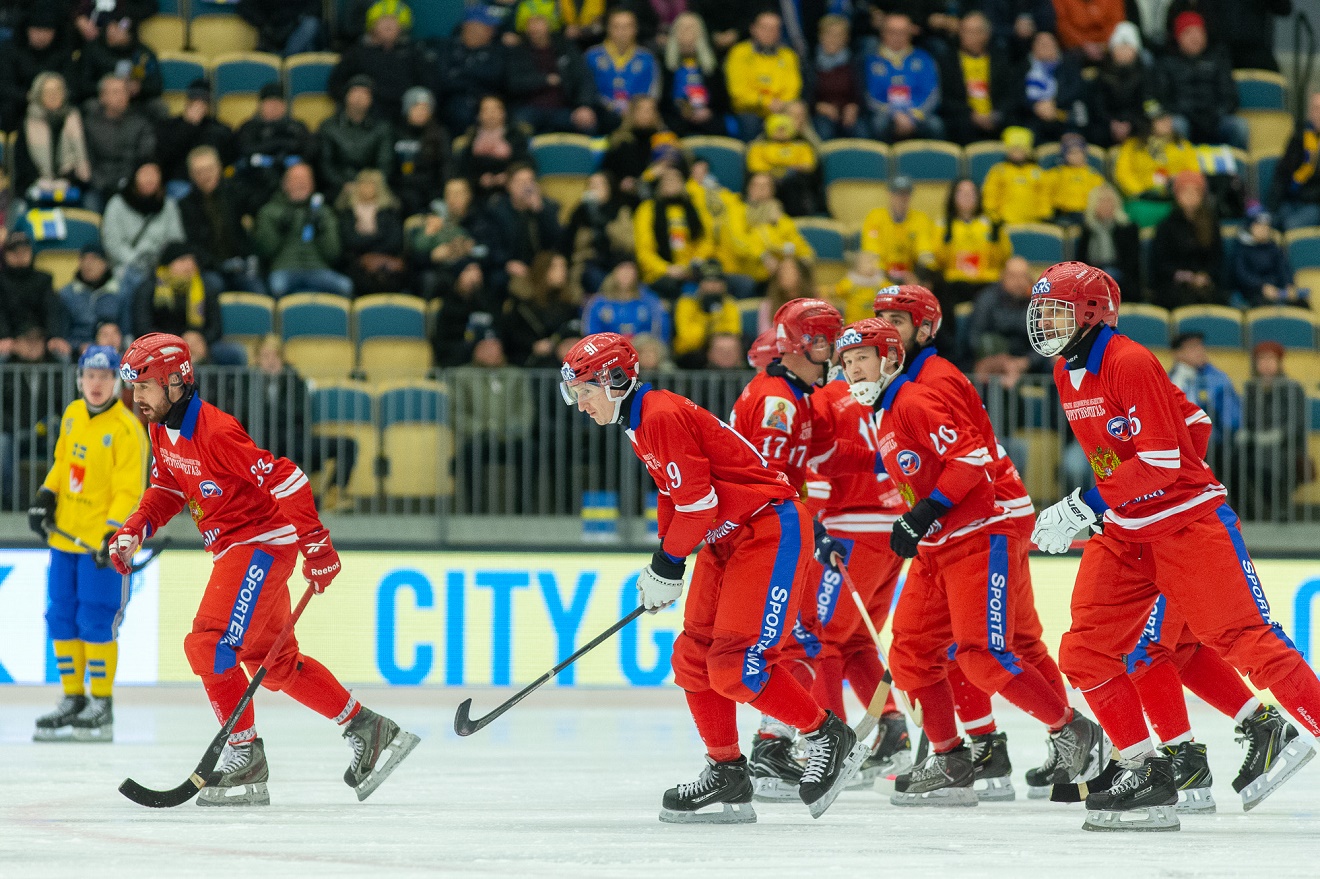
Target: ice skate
{"points": [[891, 752], [240, 779], [57, 726], [940, 780], [1191, 774], [833, 757], [775, 774], [1274, 754], [1144, 798], [96, 722], [991, 767], [371, 735], [1075, 753], [722, 794]]}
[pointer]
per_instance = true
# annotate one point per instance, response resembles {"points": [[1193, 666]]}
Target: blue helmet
{"points": [[99, 357]]}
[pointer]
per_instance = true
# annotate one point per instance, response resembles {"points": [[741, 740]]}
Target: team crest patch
{"points": [[106, 440], [1119, 428], [909, 462], [1103, 462], [779, 414], [210, 489], [195, 509]]}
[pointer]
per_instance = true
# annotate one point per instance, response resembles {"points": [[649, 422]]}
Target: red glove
{"points": [[320, 561], [124, 542]]}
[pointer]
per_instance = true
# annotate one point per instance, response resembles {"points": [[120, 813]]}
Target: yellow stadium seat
{"points": [[1270, 131], [320, 358], [417, 441], [344, 411], [854, 172], [212, 35], [164, 33], [61, 265], [312, 109]]}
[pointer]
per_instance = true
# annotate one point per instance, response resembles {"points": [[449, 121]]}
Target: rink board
{"points": [[475, 619]]}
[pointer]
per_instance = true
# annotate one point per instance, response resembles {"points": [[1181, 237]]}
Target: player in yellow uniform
{"points": [[99, 473]]}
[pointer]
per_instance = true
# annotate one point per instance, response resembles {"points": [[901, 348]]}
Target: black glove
{"points": [[664, 567], [913, 525], [827, 547], [41, 515], [101, 558]]}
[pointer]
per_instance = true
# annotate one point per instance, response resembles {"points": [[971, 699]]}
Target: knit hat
{"points": [[92, 248], [17, 240], [396, 8], [483, 14], [1018, 136], [360, 79], [417, 95], [176, 250], [780, 125], [271, 90], [1185, 20], [1125, 34], [199, 90]]}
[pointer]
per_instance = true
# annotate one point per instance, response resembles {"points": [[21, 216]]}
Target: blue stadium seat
{"points": [[178, 69], [244, 72], [249, 315], [1264, 176], [1048, 156], [81, 227], [309, 72], [824, 236], [981, 157], [555, 154], [854, 159], [344, 413], [417, 441], [1147, 324], [1289, 326], [1303, 247], [1038, 243], [726, 156], [214, 35], [932, 165], [341, 404], [313, 314], [391, 333], [1221, 326], [1260, 90]]}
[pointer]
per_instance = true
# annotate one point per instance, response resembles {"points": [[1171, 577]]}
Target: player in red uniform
{"points": [[959, 591], [747, 584], [255, 513], [1166, 528]]}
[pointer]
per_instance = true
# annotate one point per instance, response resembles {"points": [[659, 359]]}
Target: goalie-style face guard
{"points": [[1051, 324], [869, 374]]}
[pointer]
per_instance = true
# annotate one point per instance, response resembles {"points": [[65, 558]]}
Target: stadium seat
{"points": [[177, 71], [347, 411], [1147, 324], [981, 157], [932, 165], [62, 228], [60, 264], [417, 441], [1044, 444], [1309, 493], [1293, 328], [1269, 131], [727, 157], [1260, 90], [245, 318], [213, 35], [164, 33], [854, 172], [1220, 325], [392, 338], [308, 73], [1040, 243], [312, 109], [314, 327], [750, 312], [1263, 176], [563, 163], [826, 237], [1048, 155], [1303, 246], [237, 78]]}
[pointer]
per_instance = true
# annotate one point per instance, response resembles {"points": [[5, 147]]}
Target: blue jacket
{"points": [[1255, 265], [912, 86], [1210, 388], [617, 84], [645, 314]]}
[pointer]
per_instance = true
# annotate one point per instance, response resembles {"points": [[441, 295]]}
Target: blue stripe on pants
{"points": [[754, 672], [1149, 635], [996, 605], [827, 600], [1230, 520], [245, 602]]}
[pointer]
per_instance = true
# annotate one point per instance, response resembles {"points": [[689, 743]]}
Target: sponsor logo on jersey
{"points": [[209, 536], [722, 531], [1119, 428], [76, 476], [779, 413], [210, 489], [189, 466], [1103, 462], [909, 462], [241, 615], [772, 627], [995, 611]]}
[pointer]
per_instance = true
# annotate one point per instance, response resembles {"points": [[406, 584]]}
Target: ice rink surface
{"points": [[567, 784]]}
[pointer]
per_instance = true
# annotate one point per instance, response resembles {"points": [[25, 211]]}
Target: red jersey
{"points": [[774, 413], [858, 499], [236, 493], [711, 479], [1136, 429]]}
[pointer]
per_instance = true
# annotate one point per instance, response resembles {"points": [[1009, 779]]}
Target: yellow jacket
{"points": [[1016, 193], [901, 246], [684, 247], [581, 14], [1070, 187], [973, 251], [693, 326], [715, 206], [856, 298], [755, 78], [99, 472], [1142, 166], [742, 245], [779, 157]]}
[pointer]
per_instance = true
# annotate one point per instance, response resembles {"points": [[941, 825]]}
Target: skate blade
{"points": [[1096, 760], [399, 747], [238, 795], [1196, 801], [995, 790], [851, 764], [1292, 758], [944, 797], [1155, 819], [1038, 793], [63, 734], [731, 813], [870, 776], [769, 789], [94, 734]]}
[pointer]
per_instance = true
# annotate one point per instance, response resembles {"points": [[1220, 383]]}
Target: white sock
{"points": [[1250, 707], [1177, 740], [772, 727], [1137, 753]]}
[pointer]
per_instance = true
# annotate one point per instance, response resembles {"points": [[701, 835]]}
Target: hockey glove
{"points": [[101, 558], [1057, 525], [828, 547], [914, 525], [320, 561], [124, 542], [41, 515], [661, 582]]}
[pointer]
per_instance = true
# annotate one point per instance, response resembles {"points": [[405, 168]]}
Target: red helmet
{"points": [[606, 360], [1069, 298], [916, 300], [880, 334], [798, 322], [157, 356], [763, 350]]}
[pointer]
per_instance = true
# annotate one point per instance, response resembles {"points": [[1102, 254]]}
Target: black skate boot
{"points": [[724, 785], [371, 735], [991, 765], [891, 752], [57, 726], [939, 780], [240, 779], [1144, 798], [1075, 753], [1191, 774], [96, 722], [833, 757], [775, 774], [1274, 754]]}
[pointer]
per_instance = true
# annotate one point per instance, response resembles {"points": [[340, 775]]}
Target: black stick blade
{"points": [[463, 723], [162, 799]]}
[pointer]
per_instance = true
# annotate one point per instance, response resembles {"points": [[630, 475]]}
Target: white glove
{"points": [[1056, 526], [661, 582]]}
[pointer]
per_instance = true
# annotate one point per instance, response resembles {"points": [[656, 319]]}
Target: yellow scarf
{"points": [[169, 289], [1310, 143]]}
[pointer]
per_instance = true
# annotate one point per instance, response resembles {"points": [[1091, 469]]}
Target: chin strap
{"points": [[179, 408]]}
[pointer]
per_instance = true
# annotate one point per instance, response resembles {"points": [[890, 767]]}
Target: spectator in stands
{"points": [[181, 303], [268, 144], [138, 222], [493, 147], [118, 52], [421, 153], [91, 298], [297, 237], [759, 234], [1295, 190], [471, 65], [832, 82], [390, 60], [726, 22], [51, 161], [28, 301], [725, 351], [1148, 162], [969, 254], [652, 354], [671, 236], [493, 411], [1109, 240], [1050, 90], [1250, 32], [599, 233], [633, 146], [626, 306], [1196, 84], [36, 48], [1187, 255], [1123, 85], [118, 139], [540, 308], [371, 234], [998, 330], [91, 17], [466, 314], [1087, 22], [353, 139], [903, 238], [704, 310], [1015, 190], [792, 280], [784, 153], [622, 69], [976, 84], [177, 136], [694, 98], [1260, 270], [1209, 387], [524, 223], [1272, 441], [212, 220], [29, 420], [1071, 182], [854, 294], [285, 28], [902, 86], [762, 75], [549, 83], [442, 244], [713, 202]]}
